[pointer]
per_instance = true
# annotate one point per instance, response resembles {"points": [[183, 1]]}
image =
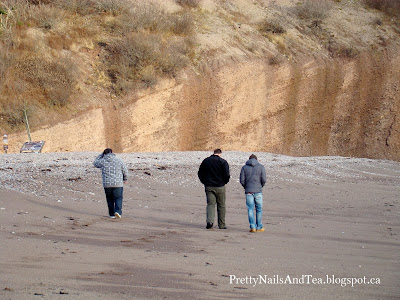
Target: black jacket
{"points": [[214, 171]]}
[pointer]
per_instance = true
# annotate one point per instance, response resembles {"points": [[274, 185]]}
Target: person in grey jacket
{"points": [[253, 178], [114, 174]]}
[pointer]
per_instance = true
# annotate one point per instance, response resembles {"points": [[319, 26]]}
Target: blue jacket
{"points": [[113, 170], [253, 176]]}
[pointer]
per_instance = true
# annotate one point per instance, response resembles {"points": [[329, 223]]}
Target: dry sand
{"points": [[324, 216]]}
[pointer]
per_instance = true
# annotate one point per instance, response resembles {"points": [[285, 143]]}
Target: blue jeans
{"points": [[256, 200], [114, 200]]}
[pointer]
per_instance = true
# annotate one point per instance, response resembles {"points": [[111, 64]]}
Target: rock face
{"points": [[318, 107]]}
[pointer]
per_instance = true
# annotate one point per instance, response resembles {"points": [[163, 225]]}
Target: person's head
{"points": [[218, 152], [253, 156], [106, 151]]}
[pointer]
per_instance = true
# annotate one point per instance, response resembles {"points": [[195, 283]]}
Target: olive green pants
{"points": [[216, 195]]}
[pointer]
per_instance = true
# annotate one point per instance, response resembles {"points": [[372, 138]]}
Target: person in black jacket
{"points": [[253, 178], [214, 174]]}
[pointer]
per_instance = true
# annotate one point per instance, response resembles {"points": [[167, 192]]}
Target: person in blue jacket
{"points": [[253, 179]]}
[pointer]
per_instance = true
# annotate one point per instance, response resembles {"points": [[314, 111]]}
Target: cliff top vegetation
{"points": [[61, 57]]}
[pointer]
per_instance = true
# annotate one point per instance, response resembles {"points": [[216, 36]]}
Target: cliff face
{"points": [[322, 107], [346, 107], [299, 78]]}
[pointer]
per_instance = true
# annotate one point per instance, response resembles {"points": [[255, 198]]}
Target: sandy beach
{"points": [[331, 230]]}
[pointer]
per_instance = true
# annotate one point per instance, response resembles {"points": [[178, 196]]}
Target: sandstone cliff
{"points": [[304, 105]]}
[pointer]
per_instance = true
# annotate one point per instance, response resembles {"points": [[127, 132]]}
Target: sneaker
{"points": [[112, 217], [223, 227], [260, 230], [209, 225], [118, 215], [252, 230]]}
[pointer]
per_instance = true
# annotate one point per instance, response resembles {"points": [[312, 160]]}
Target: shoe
{"points": [[112, 217], [209, 225], [223, 227], [252, 230], [118, 215], [260, 230]]}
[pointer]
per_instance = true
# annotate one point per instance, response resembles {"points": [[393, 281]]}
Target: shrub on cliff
{"points": [[312, 9], [142, 58], [135, 43], [272, 25], [189, 3], [390, 7], [149, 43]]}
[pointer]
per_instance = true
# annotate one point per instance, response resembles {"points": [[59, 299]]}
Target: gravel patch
{"points": [[45, 173]]}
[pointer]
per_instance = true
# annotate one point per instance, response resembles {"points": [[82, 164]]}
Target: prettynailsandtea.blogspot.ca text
{"points": [[302, 280]]}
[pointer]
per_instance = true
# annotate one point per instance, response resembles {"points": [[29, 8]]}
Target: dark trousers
{"points": [[114, 199], [216, 195]]}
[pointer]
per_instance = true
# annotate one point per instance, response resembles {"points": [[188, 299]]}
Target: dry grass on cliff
{"points": [[148, 44], [136, 44], [390, 7], [333, 27], [313, 10], [119, 47]]}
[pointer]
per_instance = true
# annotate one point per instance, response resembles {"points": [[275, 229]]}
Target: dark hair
{"points": [[106, 151], [252, 156], [217, 151]]}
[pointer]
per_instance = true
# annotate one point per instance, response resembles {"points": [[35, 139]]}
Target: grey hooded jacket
{"points": [[113, 170], [253, 176]]}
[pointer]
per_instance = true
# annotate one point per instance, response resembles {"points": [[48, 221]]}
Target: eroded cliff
{"points": [[286, 94], [321, 107]]}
